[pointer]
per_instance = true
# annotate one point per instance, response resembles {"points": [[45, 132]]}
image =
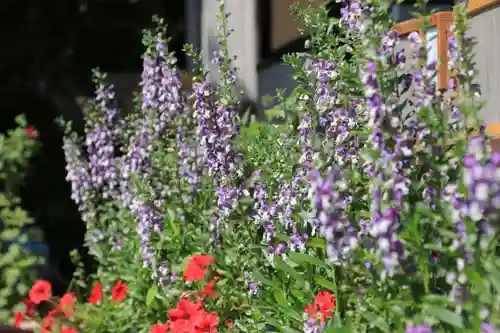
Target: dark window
{"points": [[403, 12], [264, 17]]}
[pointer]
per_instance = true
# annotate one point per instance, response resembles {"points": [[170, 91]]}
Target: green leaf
{"points": [[280, 265], [325, 283], [302, 258], [150, 296], [280, 297], [9, 234], [317, 242], [27, 262], [375, 321], [288, 329], [259, 277], [444, 315]]}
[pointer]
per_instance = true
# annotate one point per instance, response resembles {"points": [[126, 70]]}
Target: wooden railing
{"points": [[488, 50]]}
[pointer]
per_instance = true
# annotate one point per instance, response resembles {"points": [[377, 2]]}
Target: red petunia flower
{"points": [[181, 326], [119, 291], [176, 314], [209, 289], [53, 312], [96, 293], [32, 132], [67, 329], [47, 324], [18, 319], [324, 304], [188, 307], [197, 267], [67, 304], [41, 291], [159, 328], [229, 323], [205, 322], [29, 307]]}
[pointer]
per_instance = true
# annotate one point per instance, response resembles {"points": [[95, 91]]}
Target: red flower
{"points": [[324, 304], [47, 324], [181, 326], [67, 329], [67, 304], [119, 291], [181, 317], [189, 308], [176, 314], [229, 323], [197, 267], [18, 319], [206, 322], [53, 312], [96, 293], [40, 292], [309, 309], [159, 328], [29, 307], [209, 289], [31, 132]]}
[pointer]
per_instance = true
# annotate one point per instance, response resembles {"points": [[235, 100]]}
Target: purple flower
{"points": [[421, 328]]}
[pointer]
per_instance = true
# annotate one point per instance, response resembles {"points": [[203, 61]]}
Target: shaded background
{"points": [[47, 52]]}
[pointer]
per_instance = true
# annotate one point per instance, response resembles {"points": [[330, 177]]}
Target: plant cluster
{"points": [[16, 261], [372, 207]]}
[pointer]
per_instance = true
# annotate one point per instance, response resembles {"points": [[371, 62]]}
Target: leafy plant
{"points": [[16, 262], [371, 206]]}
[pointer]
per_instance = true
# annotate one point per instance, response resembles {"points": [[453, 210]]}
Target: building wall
{"points": [[284, 26], [485, 28]]}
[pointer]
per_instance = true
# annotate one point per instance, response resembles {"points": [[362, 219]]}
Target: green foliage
{"points": [[16, 149], [349, 211]]}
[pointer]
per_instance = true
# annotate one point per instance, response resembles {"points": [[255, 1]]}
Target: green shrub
{"points": [[372, 208], [16, 149]]}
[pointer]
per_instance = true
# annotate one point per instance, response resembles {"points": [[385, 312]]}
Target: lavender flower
{"points": [[421, 328], [161, 103], [351, 16], [311, 325], [100, 141], [341, 237]]}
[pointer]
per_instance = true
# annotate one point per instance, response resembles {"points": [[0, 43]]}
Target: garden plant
{"points": [[372, 206], [17, 147]]}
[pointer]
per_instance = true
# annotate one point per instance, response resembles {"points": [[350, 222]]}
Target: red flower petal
{"points": [[203, 260], [67, 329], [188, 307], [325, 301], [31, 132], [67, 304], [209, 289], [197, 266], [205, 321], [47, 324], [176, 314], [18, 319], [41, 291], [96, 293], [119, 291], [159, 328], [194, 272], [29, 307]]}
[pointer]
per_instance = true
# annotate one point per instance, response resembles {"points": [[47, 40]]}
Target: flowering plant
{"points": [[16, 149], [372, 208]]}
